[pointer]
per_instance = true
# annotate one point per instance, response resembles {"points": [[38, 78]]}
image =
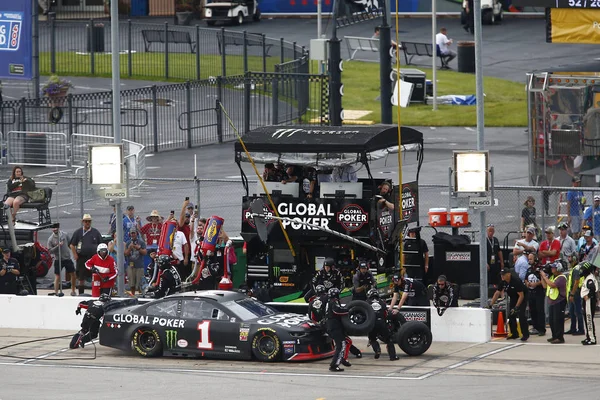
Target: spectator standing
{"points": [[362, 282], [415, 255], [151, 230], [588, 250], [549, 250], [521, 264], [442, 41], [130, 220], [591, 216], [84, 243], [574, 302], [529, 244], [470, 25], [9, 271], [181, 252], [184, 225], [58, 246], [495, 257], [18, 185], [517, 294], [556, 288], [528, 214], [135, 250], [568, 247], [393, 43], [574, 198], [536, 296], [581, 241]]}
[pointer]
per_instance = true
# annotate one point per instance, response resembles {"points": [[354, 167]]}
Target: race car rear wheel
{"points": [[266, 345], [360, 319], [146, 342], [414, 338]]}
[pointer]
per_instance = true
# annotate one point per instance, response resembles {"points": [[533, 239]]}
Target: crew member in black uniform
{"points": [[9, 271], [381, 328], [536, 297], [90, 325], [335, 311], [362, 282], [443, 295], [413, 293], [589, 287], [169, 280], [318, 304], [327, 276], [517, 294]]}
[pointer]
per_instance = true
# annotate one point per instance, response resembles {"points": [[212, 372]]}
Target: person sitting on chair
{"points": [[442, 42]]}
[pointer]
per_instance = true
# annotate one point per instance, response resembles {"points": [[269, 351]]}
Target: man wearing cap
{"points": [[58, 246], [84, 243], [413, 291], [550, 248], [517, 294], [568, 247], [556, 289], [9, 270], [528, 244], [151, 231], [135, 250], [574, 198], [362, 282], [130, 220], [587, 252], [591, 216]]}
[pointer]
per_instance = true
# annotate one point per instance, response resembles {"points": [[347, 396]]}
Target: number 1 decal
{"points": [[204, 342]]}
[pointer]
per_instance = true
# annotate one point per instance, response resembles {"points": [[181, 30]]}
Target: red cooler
{"points": [[438, 216], [459, 217]]}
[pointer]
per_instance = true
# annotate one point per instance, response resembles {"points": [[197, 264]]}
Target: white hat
{"points": [[154, 213]]}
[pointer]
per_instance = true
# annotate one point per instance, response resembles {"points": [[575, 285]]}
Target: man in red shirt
{"points": [[151, 230], [550, 248], [104, 265]]}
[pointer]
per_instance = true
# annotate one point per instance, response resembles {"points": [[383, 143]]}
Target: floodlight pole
{"points": [[335, 72], [385, 66], [116, 103], [483, 281]]}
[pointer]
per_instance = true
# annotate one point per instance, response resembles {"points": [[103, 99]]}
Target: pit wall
{"points": [[471, 325]]}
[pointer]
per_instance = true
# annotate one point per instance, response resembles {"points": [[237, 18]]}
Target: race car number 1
{"points": [[204, 342]]}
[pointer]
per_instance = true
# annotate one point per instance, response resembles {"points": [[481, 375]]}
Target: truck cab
{"points": [[235, 11]]}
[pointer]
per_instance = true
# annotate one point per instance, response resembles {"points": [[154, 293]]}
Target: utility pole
{"points": [[335, 73], [385, 66]]}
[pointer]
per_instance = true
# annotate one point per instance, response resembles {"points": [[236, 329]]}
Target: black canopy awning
{"points": [[322, 139]]}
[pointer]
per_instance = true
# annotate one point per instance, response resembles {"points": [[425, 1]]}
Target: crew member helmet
{"points": [[334, 293], [373, 294], [104, 297], [102, 250], [329, 262], [163, 261], [320, 289]]}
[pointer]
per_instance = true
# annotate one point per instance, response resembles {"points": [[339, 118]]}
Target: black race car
{"points": [[216, 324]]}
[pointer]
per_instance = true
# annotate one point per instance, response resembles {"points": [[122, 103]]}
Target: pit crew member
{"points": [[381, 328], [334, 312], [90, 325], [362, 282], [169, 280], [443, 295], [104, 265], [589, 288], [413, 293]]}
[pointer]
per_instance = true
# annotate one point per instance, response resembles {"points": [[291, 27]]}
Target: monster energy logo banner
{"points": [[171, 339], [277, 271]]}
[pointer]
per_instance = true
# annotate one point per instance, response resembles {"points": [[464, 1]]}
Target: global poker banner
{"points": [[15, 39]]}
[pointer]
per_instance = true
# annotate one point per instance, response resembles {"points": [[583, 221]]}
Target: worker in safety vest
{"points": [[555, 284]]}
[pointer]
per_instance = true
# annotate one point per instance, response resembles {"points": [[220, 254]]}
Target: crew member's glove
{"points": [[78, 311], [105, 279], [95, 270], [514, 312], [441, 311]]}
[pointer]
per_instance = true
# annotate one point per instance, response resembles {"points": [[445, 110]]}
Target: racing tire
{"points": [[266, 345], [210, 23], [146, 342], [75, 340], [360, 319], [414, 338], [256, 17], [469, 291], [239, 19]]}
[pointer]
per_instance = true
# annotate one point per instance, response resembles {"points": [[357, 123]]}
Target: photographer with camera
{"points": [[518, 299], [536, 297], [555, 284], [9, 271]]}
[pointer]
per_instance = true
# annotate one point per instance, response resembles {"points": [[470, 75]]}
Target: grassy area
{"points": [[505, 101], [151, 66]]}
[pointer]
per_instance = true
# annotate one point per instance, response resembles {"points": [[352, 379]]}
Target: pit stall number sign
{"points": [[15, 39]]}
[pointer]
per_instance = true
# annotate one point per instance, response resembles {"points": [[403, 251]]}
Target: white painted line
{"points": [[50, 354], [150, 155], [153, 167], [542, 344], [469, 129], [433, 128]]}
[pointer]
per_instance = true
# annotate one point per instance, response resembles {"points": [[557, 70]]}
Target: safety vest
{"points": [[553, 292], [570, 281]]}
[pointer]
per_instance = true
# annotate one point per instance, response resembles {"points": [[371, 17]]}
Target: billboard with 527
{"points": [[15, 39]]}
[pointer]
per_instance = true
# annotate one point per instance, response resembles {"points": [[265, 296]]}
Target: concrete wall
{"points": [[472, 325]]}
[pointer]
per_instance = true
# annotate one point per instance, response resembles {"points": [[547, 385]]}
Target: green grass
{"points": [[151, 66], [505, 101]]}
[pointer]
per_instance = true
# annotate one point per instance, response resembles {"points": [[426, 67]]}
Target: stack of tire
{"points": [[413, 337]]}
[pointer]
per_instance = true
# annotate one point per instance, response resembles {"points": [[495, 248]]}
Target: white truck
{"points": [[235, 11]]}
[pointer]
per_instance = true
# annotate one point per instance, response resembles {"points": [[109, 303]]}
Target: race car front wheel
{"points": [[414, 338], [266, 345], [146, 342]]}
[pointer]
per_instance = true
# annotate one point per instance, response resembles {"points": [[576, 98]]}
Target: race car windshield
{"points": [[249, 308]]}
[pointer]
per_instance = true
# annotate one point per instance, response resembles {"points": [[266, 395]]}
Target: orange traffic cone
{"points": [[500, 331]]}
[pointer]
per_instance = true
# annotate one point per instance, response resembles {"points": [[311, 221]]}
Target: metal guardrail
{"points": [[49, 149]]}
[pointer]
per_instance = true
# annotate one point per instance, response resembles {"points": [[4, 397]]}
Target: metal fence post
{"points": [[81, 199], [197, 183], [23, 113], [264, 52], [219, 109], [275, 101], [247, 98], [245, 52], [188, 106], [70, 126], [197, 52], [223, 55], [294, 50], [166, 50], [155, 118], [92, 44], [282, 51], [52, 42], [129, 48]]}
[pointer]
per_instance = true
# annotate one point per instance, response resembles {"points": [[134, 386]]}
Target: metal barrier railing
{"points": [[49, 149]]}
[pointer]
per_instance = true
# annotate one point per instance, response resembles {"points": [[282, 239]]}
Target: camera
{"points": [[547, 269], [187, 199]]}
